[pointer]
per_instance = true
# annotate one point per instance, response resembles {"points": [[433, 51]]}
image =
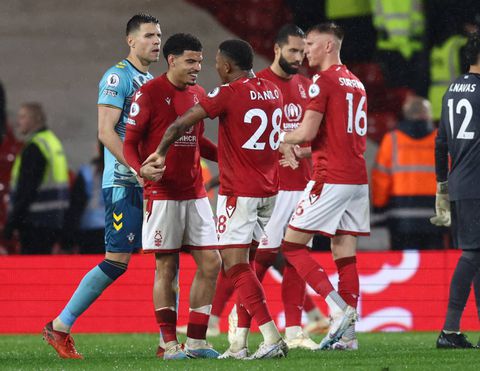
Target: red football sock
{"points": [[244, 319], [348, 282], [197, 325], [293, 295], [264, 260], [223, 293], [250, 292], [307, 267], [167, 321], [308, 304]]}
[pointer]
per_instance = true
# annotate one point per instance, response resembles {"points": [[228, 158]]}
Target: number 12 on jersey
{"points": [[360, 115], [462, 104]]}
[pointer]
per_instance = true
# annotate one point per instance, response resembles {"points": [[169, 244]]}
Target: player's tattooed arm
{"points": [[175, 131], [179, 127]]}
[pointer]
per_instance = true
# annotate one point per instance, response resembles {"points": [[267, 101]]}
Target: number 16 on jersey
{"points": [[360, 115]]}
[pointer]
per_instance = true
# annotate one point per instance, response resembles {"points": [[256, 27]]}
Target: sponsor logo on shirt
{"points": [[293, 112], [110, 92], [189, 139], [113, 80]]}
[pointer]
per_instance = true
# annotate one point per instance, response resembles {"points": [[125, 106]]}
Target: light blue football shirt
{"points": [[117, 89]]}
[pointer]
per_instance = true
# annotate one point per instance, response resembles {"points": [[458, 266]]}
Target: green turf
{"points": [[379, 351]]}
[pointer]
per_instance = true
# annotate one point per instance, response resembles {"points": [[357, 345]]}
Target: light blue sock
{"points": [[89, 289]]}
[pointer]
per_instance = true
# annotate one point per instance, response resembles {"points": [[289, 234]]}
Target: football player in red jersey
{"points": [[177, 211], [289, 54], [250, 113], [283, 72], [335, 202]]}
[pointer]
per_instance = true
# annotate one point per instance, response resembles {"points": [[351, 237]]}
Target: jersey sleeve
{"points": [[208, 149], [215, 102], [114, 88], [137, 123], [441, 151], [318, 93]]}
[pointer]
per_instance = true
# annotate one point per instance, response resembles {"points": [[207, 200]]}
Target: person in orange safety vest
{"points": [[403, 179]]}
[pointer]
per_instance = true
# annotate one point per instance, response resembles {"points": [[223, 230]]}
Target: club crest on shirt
{"points": [[214, 92], [168, 100], [301, 90], [113, 80], [313, 91]]}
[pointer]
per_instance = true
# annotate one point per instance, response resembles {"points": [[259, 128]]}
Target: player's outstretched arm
{"points": [[108, 117], [179, 127], [307, 130], [174, 131]]}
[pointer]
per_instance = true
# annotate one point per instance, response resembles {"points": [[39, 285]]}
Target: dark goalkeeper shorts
{"points": [[466, 224]]}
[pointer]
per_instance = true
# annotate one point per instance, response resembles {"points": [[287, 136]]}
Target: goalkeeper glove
{"points": [[442, 206]]}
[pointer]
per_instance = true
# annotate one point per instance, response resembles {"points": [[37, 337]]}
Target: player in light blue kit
{"points": [[122, 189]]}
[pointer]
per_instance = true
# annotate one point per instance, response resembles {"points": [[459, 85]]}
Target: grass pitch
{"points": [[378, 351]]}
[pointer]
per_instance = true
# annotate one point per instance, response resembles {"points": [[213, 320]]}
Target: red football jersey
{"points": [[250, 115], [157, 104], [294, 91], [337, 150]]}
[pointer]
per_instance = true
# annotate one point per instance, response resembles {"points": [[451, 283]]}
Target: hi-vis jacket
{"points": [[403, 179]]}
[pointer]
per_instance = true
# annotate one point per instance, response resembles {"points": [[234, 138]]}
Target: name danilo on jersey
{"points": [[264, 95]]}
